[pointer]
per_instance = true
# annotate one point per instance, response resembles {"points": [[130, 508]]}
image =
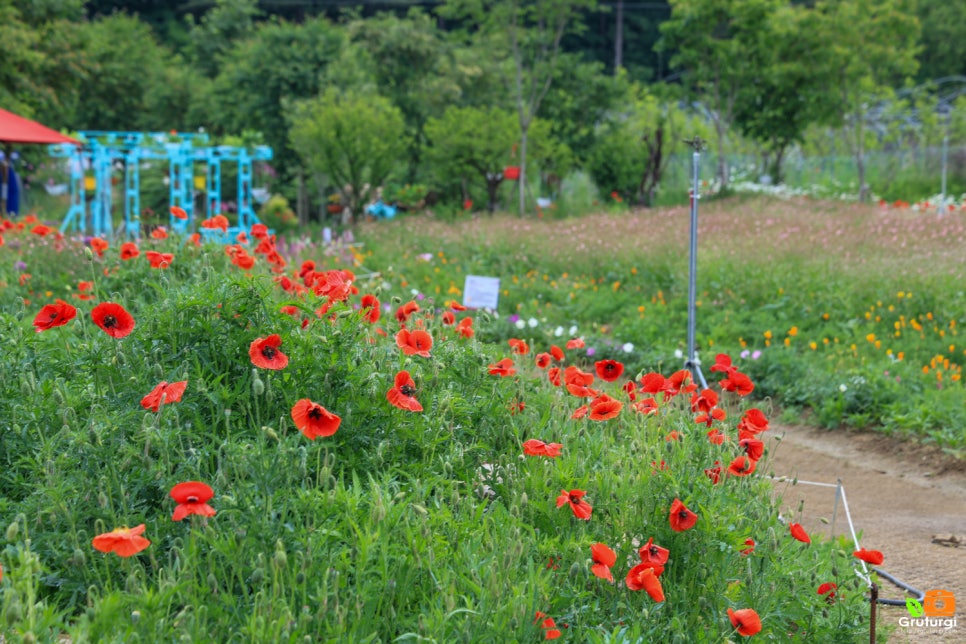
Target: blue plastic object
{"points": [[381, 210]]}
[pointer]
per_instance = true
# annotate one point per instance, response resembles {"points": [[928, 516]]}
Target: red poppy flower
{"points": [[406, 310], [535, 447], [580, 412], [704, 401], [113, 319], [551, 632], [370, 308], [192, 498], [265, 353], [178, 212], [576, 343], [753, 422], [556, 352], [799, 533], [604, 408], [159, 260], [195, 238], [553, 375], [314, 420], [543, 360], [99, 245], [519, 346], [738, 383], [827, 590], [647, 406], [630, 388], [680, 517], [722, 363], [716, 437], [456, 306], [129, 250], [714, 473], [603, 558], [609, 370], [402, 394], [164, 394], [653, 554], [578, 382], [159, 233], [41, 230], [753, 447], [465, 327], [516, 407], [679, 382], [745, 621], [873, 557], [448, 318], [124, 542], [575, 498], [643, 577], [652, 383], [216, 222], [751, 546], [707, 418], [503, 368], [414, 343], [57, 314], [741, 466]]}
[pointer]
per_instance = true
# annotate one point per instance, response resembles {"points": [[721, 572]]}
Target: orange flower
{"points": [[643, 577], [716, 437], [265, 353], [609, 370], [218, 221], [414, 343], [745, 621], [178, 212], [124, 542], [403, 392], [129, 250], [192, 498], [113, 319], [535, 447], [164, 394], [680, 517], [99, 245], [873, 557], [52, 315], [799, 533], [603, 558], [503, 368], [314, 420], [575, 498]]}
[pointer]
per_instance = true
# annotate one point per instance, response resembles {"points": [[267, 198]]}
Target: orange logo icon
{"points": [[939, 603]]}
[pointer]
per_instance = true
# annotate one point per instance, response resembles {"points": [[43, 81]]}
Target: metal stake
{"points": [[691, 362]]}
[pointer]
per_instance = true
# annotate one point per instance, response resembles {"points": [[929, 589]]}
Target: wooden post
{"points": [[873, 600]]}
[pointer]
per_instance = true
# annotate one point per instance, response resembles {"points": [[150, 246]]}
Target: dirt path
{"points": [[900, 495]]}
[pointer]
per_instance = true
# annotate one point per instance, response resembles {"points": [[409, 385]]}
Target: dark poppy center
{"points": [[53, 316], [574, 499], [315, 413], [268, 352], [609, 367], [192, 499], [682, 514], [653, 551], [110, 321], [407, 390]]}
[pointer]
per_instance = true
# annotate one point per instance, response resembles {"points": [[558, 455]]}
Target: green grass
{"points": [[399, 527]]}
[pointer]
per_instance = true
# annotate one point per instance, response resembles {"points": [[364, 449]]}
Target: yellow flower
{"points": [[793, 331], [788, 342], [900, 355], [768, 335], [813, 345], [870, 337], [825, 316]]}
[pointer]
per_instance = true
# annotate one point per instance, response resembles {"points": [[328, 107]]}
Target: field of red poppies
{"points": [[263, 441]]}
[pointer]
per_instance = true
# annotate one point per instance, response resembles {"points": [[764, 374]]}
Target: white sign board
{"points": [[481, 292]]}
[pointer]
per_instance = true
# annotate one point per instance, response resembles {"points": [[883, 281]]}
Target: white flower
{"points": [[558, 331], [415, 292], [520, 324], [573, 330], [843, 388], [678, 353], [532, 322], [628, 347]]}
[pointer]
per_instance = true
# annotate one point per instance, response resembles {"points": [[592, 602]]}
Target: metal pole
{"points": [[692, 363], [942, 201]]}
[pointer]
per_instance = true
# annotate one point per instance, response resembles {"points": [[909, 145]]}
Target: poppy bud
{"points": [[281, 559], [147, 421], [102, 499], [212, 583], [420, 509], [78, 558], [14, 611], [395, 299], [576, 570], [135, 616], [300, 578], [257, 576], [330, 461], [12, 531], [258, 387], [88, 253], [524, 499], [270, 433], [58, 395], [158, 371], [131, 584], [455, 498]]}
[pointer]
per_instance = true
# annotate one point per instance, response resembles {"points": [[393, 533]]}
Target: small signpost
{"points": [[481, 292]]}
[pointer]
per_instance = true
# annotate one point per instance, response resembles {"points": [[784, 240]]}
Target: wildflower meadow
{"points": [[268, 441]]}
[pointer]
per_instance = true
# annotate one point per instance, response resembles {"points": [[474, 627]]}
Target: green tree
{"points": [[353, 138], [943, 39], [215, 35], [716, 43], [525, 35], [875, 44]]}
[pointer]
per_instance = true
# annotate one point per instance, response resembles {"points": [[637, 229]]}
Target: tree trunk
{"points": [[524, 130], [492, 186], [302, 200]]}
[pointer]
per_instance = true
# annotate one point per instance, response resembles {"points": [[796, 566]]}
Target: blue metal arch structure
{"points": [[102, 149]]}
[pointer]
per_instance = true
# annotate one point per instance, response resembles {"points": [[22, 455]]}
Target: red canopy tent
{"points": [[17, 129]]}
